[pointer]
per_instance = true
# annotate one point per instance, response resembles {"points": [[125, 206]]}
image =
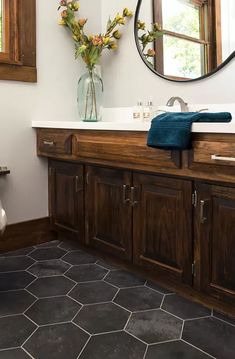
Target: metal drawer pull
{"points": [[48, 143], [203, 219], [125, 200], [221, 158], [133, 201]]}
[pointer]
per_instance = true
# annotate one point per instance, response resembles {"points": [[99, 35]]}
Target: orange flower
{"points": [[82, 22], [64, 14], [97, 40]]}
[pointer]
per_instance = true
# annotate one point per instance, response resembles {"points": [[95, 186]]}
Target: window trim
{"points": [[18, 63], [212, 43]]}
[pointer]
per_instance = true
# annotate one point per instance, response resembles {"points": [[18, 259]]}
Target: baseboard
{"points": [[25, 234]]}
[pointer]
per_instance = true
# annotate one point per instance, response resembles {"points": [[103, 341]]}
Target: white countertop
{"points": [[127, 124]]}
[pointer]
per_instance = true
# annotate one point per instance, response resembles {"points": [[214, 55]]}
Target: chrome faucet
{"points": [[183, 105]]}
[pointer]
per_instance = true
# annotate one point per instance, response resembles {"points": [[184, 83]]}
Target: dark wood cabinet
{"points": [[162, 224], [108, 211], [170, 212], [215, 241], [66, 198]]}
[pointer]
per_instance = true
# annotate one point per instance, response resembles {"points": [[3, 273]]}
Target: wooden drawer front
{"points": [[217, 153], [122, 147], [54, 142]]}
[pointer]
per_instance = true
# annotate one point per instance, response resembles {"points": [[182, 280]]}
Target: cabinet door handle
{"points": [[203, 218], [49, 143], [133, 201], [222, 158], [125, 200]]}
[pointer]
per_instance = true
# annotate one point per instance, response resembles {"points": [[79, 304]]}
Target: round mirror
{"points": [[185, 40]]}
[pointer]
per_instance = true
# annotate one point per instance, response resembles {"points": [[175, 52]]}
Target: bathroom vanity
{"points": [[170, 212]]}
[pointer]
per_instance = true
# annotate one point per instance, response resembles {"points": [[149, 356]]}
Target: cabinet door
{"points": [[163, 225], [66, 197], [215, 241], [108, 211]]}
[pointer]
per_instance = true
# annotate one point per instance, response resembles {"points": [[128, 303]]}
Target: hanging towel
{"points": [[172, 130]]}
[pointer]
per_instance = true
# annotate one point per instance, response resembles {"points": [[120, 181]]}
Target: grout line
{"points": [[132, 335], [146, 350], [223, 321], [198, 349], [79, 355], [172, 314], [182, 330], [27, 353]]}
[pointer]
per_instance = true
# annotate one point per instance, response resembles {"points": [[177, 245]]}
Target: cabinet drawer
{"points": [[53, 142], [217, 153], [124, 148]]}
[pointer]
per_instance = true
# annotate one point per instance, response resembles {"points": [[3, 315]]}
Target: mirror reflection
{"points": [[186, 39]]}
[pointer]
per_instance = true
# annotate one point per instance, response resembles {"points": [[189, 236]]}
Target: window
{"points": [[18, 40], [190, 46]]}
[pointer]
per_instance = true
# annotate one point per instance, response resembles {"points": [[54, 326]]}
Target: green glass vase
{"points": [[90, 96]]}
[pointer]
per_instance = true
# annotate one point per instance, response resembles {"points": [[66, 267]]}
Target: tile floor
{"points": [[58, 302]]}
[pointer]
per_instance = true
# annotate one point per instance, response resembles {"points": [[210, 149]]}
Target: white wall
{"points": [[126, 78], [24, 191]]}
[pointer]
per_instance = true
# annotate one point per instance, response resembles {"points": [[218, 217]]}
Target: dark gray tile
{"points": [[154, 326], [106, 265], [49, 268], [158, 288], [212, 336], [50, 244], [102, 318], [19, 252], [184, 308], [14, 354], [69, 246], [113, 346], [93, 292], [43, 254], [12, 264], [79, 257], [50, 286], [174, 350], [15, 302], [224, 317], [136, 299], [57, 342], [14, 331], [13, 281], [86, 273], [123, 279], [53, 310]]}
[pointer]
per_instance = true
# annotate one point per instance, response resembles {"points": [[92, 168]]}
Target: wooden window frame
{"points": [[212, 41], [18, 61]]}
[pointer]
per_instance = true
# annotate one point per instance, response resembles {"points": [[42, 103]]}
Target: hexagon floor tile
{"points": [[53, 310], [154, 326], [12, 264], [14, 331], [44, 254], [51, 286], [49, 268], [79, 257], [119, 345], [15, 302], [102, 318], [57, 342], [183, 308], [212, 336], [15, 280], [67, 293], [86, 273], [138, 299], [123, 279], [14, 354], [174, 350], [93, 292]]}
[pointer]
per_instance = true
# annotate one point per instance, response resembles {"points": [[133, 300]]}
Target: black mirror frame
{"points": [[162, 76]]}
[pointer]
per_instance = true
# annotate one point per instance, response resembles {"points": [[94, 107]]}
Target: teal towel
{"points": [[172, 130]]}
